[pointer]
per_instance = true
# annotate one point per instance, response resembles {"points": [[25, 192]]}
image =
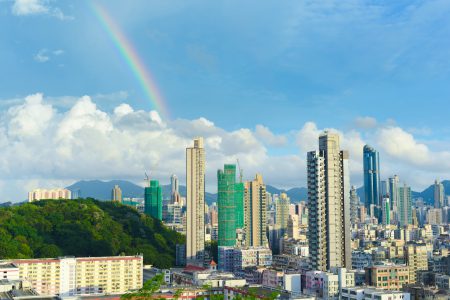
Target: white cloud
{"points": [[42, 145], [267, 136], [42, 56], [365, 122], [29, 7], [37, 7]]}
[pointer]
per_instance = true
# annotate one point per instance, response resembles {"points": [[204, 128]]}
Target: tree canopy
{"points": [[84, 227]]}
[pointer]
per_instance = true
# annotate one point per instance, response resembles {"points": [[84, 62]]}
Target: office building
{"points": [[195, 201], [255, 212], [153, 200], [385, 210], [394, 184], [116, 194], [281, 218], [329, 205], [354, 203], [42, 194], [439, 194], [174, 189], [371, 176]]}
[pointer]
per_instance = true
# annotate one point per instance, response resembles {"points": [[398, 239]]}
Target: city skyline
{"points": [[297, 93]]}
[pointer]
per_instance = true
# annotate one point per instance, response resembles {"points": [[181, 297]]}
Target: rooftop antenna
{"points": [[241, 172]]}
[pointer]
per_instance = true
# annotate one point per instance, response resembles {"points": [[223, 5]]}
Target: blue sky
{"points": [[348, 65]]}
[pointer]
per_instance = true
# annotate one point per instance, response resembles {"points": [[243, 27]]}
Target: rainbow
{"points": [[132, 58]]}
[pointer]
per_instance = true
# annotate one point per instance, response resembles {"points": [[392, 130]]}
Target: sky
{"points": [[259, 80]]}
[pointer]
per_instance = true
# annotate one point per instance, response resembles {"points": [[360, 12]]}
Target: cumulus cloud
{"points": [[267, 136], [37, 7], [42, 145]]}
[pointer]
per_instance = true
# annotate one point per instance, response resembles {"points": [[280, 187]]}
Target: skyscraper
{"points": [[439, 194], [226, 199], [385, 210], [281, 220], [255, 210], [394, 183], [195, 202], [404, 205], [354, 203], [116, 194], [153, 200], [174, 191], [329, 205], [371, 164]]}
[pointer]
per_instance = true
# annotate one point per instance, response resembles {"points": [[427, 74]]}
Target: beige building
{"points": [[387, 277], [195, 216], [41, 194], [417, 260], [255, 212], [69, 276], [116, 194], [329, 205]]}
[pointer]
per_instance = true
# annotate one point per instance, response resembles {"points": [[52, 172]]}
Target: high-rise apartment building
{"points": [[195, 202], [255, 210], [394, 184], [230, 205], [439, 194], [371, 164], [404, 205], [174, 189], [281, 214], [385, 210], [354, 203], [153, 200], [116, 194], [329, 205]]}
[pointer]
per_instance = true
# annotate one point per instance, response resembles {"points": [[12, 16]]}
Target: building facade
{"points": [[255, 210], [153, 200], [116, 194], [371, 164], [70, 276], [42, 194], [329, 205], [195, 198]]}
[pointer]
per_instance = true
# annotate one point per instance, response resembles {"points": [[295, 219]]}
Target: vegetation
{"points": [[84, 227]]}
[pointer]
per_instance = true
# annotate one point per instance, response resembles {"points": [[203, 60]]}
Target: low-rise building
{"points": [[70, 276], [357, 293], [387, 276]]}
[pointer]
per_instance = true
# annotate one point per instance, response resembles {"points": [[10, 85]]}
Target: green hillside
{"points": [[88, 227]]}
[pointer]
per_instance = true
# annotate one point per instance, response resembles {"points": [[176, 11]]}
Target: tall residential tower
{"points": [[255, 218], [329, 205], [195, 198]]}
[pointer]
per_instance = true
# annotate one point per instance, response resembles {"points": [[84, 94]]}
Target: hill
{"points": [[84, 227]]}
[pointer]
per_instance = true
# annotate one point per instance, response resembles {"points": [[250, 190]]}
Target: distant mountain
{"points": [[296, 194], [427, 194], [102, 190]]}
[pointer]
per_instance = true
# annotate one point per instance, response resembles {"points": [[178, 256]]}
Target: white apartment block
{"points": [[357, 293], [40, 194], [69, 276]]}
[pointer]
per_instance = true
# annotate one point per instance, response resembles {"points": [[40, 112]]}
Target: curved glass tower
{"points": [[371, 164]]}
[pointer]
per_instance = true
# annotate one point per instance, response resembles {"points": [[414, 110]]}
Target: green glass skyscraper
{"points": [[230, 205], [153, 200]]}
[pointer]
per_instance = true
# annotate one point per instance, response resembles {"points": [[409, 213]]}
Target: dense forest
{"points": [[84, 227]]}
